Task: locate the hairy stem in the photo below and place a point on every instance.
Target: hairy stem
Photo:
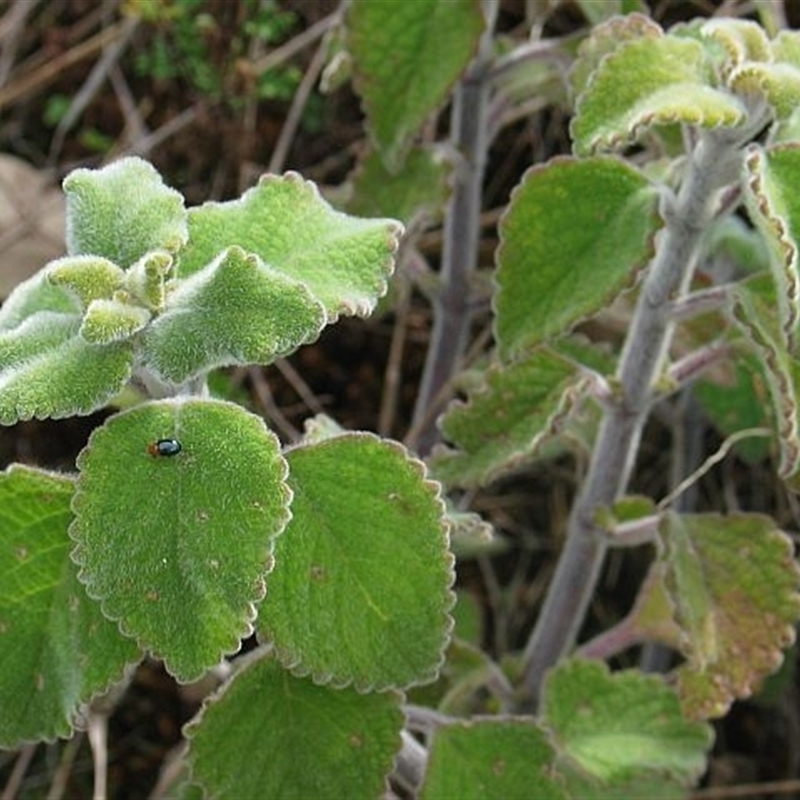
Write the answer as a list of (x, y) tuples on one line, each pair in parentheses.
[(573, 586), (469, 121)]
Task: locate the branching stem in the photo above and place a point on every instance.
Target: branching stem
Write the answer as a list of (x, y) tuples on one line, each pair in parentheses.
[(578, 569)]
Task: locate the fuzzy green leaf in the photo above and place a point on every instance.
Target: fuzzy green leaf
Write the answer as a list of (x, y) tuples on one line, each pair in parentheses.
[(605, 38), (742, 40), (235, 311), (109, 321), (176, 560), (407, 57), (47, 369), (56, 648), (786, 47), (648, 82), (122, 212), (343, 261), (269, 734), (507, 418), (362, 588), (36, 294), (621, 727), (779, 84), (734, 582), (87, 277), (771, 179), (489, 759), (572, 238)]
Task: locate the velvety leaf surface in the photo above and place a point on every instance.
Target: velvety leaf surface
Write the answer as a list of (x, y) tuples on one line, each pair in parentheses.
[(506, 419), (234, 311), (343, 261), (88, 278), (647, 82), (735, 584), (603, 39), (269, 734), (489, 759), (47, 369), (772, 201), (122, 211), (406, 58), (361, 589), (177, 546), (622, 727), (573, 237), (111, 321), (56, 648)]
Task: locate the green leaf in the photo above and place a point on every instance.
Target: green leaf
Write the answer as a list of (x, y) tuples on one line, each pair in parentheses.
[(362, 588), (786, 47), (507, 418), (407, 57), (177, 547), (47, 369), (87, 277), (235, 311), (573, 237), (490, 759), (109, 321), (33, 296), (621, 727), (754, 310), (122, 212), (56, 648), (464, 682), (648, 82), (343, 261), (605, 38), (778, 84), (742, 39), (420, 190), (269, 734), (735, 396), (734, 582), (771, 178)]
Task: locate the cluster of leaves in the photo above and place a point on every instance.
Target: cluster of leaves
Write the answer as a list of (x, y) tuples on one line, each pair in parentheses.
[(153, 295)]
